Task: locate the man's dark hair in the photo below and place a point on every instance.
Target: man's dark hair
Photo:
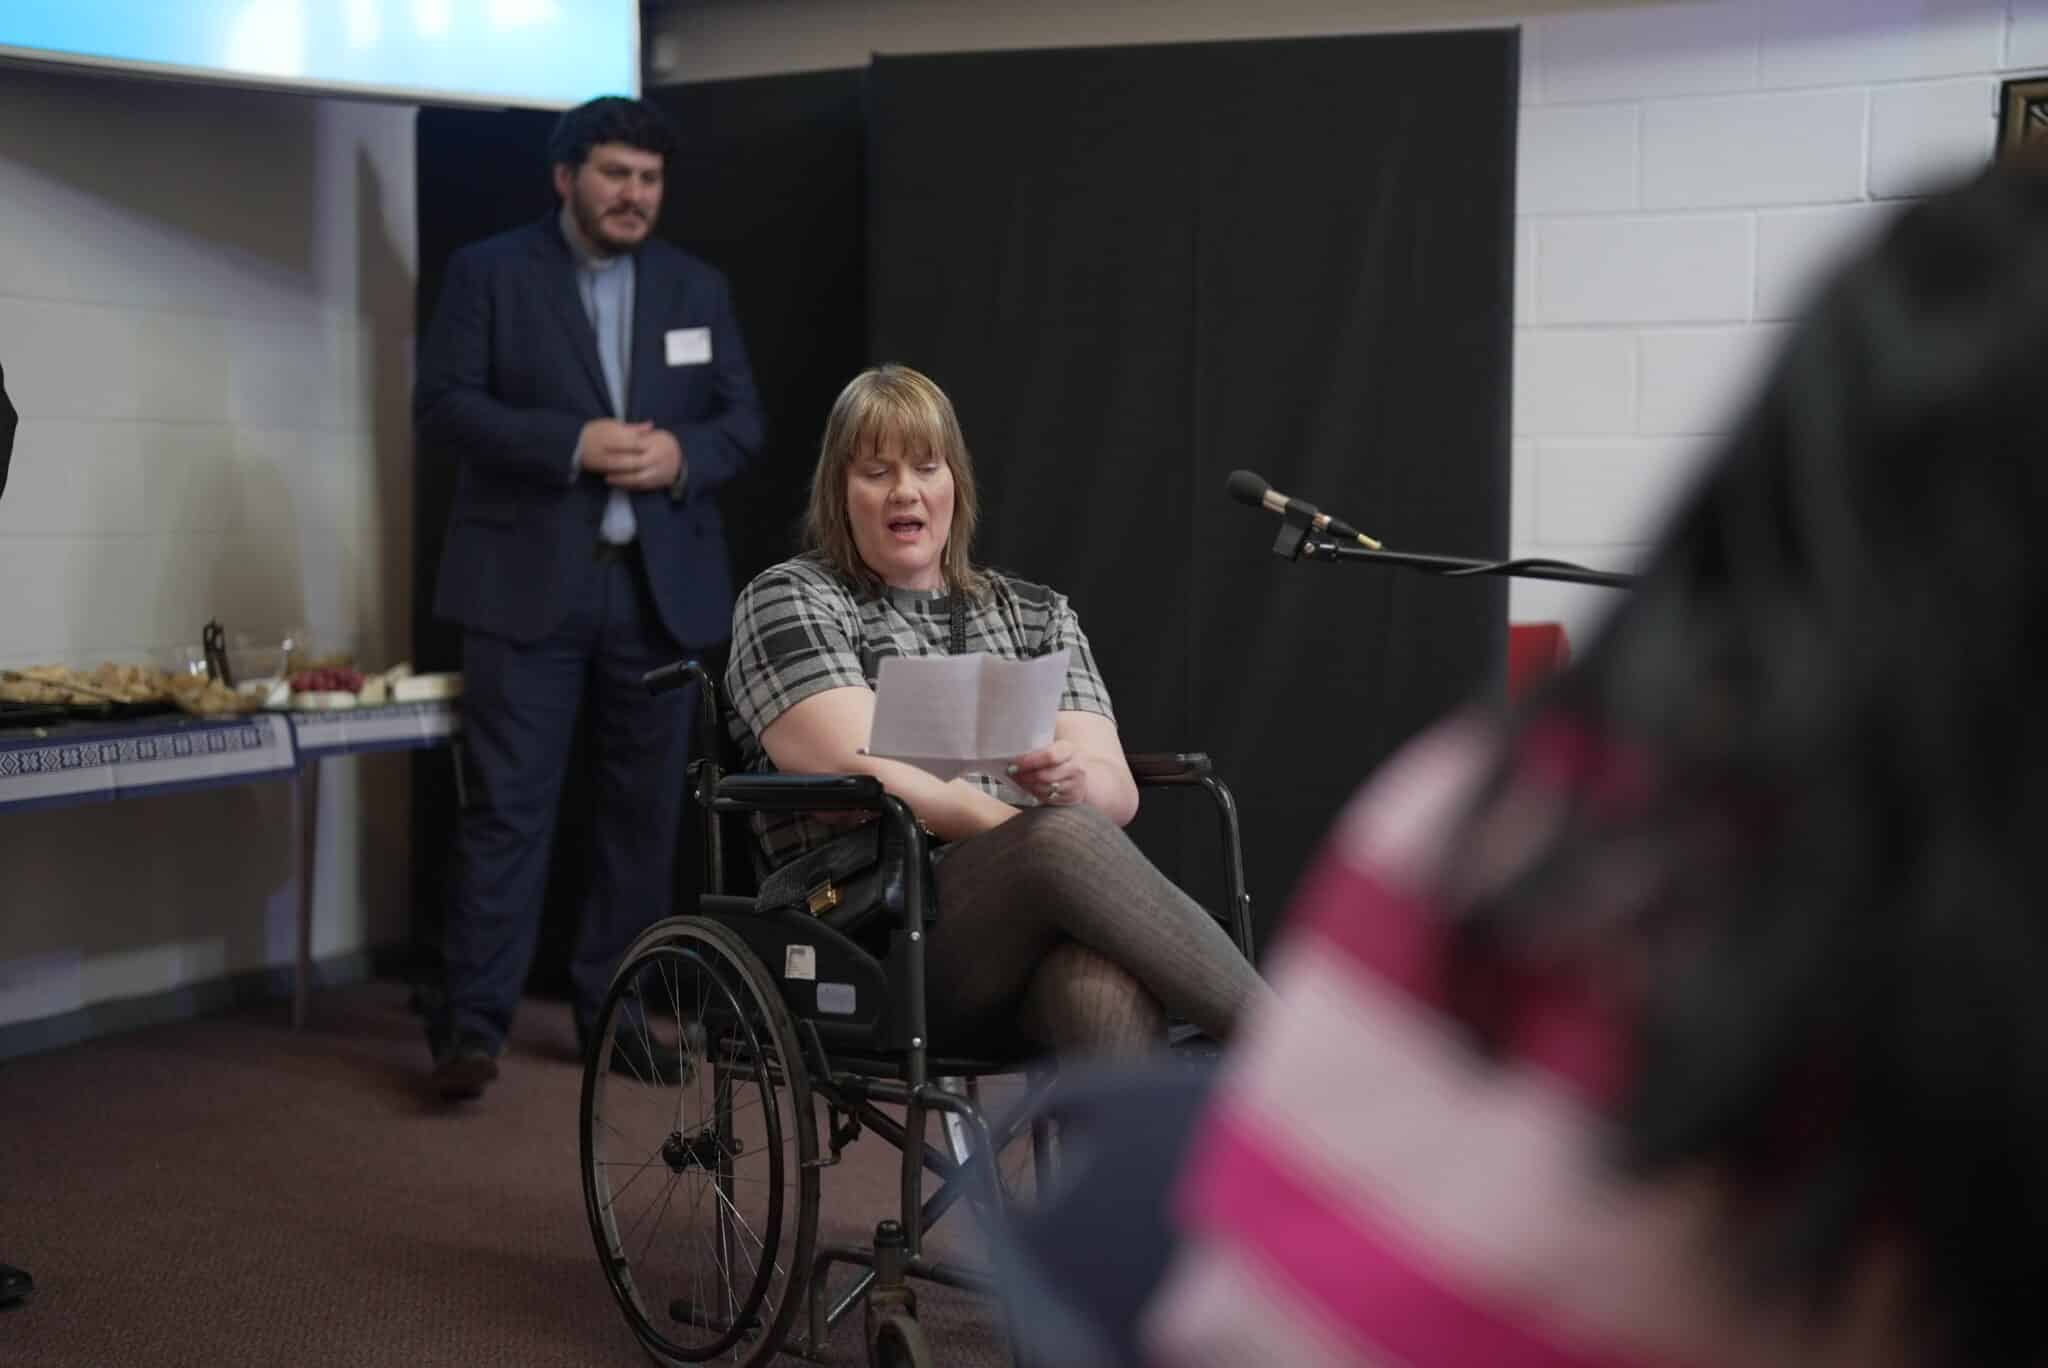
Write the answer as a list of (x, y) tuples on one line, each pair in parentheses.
[(610, 119)]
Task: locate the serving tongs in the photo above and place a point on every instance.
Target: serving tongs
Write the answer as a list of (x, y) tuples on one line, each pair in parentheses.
[(213, 639)]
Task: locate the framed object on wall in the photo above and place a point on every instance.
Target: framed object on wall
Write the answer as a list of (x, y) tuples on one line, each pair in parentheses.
[(2022, 113)]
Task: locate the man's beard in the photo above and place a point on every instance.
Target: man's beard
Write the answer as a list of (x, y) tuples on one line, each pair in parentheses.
[(593, 226)]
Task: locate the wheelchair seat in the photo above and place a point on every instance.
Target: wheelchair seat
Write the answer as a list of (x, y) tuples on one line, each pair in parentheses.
[(703, 1193)]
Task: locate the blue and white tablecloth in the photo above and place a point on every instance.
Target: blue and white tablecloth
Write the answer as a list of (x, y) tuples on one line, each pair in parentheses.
[(85, 762), (393, 726), (88, 762)]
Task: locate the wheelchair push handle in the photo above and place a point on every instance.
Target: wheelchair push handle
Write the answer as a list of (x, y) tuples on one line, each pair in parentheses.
[(668, 678), (1176, 767)]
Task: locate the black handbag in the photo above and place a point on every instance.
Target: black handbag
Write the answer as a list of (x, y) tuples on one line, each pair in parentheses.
[(855, 884)]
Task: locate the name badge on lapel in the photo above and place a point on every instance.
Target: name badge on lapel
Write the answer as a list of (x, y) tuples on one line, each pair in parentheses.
[(689, 346)]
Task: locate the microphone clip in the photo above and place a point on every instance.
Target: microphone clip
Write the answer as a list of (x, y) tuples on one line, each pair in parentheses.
[(1297, 521)]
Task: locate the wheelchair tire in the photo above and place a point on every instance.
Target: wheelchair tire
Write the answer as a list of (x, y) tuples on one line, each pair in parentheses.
[(702, 1191), (899, 1342)]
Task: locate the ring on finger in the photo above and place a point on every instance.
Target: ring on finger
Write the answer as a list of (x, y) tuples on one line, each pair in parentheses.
[(1053, 793)]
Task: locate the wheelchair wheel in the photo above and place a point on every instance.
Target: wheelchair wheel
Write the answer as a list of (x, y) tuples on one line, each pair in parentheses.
[(899, 1343), (702, 1194)]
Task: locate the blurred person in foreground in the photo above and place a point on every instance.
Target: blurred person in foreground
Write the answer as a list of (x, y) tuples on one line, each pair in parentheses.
[(1698, 1014)]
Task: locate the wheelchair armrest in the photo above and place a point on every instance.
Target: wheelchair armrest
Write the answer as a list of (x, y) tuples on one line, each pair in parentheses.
[(1192, 769), (1167, 767), (798, 792)]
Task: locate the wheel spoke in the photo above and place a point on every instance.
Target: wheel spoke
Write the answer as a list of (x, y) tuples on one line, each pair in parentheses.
[(667, 1195)]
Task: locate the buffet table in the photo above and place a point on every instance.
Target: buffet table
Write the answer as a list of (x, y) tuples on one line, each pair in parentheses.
[(103, 761)]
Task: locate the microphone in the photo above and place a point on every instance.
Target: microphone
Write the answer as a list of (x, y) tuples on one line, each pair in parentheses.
[(1248, 488)]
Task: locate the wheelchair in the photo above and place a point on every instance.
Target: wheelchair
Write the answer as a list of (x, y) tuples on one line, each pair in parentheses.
[(702, 1190)]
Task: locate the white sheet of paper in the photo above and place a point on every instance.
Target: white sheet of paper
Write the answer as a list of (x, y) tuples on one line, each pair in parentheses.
[(954, 715)]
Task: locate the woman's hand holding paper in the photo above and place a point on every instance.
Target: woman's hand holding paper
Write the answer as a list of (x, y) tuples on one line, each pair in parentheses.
[(1084, 764), (1053, 775)]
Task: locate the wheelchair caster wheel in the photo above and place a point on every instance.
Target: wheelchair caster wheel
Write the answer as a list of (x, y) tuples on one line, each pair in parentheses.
[(899, 1342)]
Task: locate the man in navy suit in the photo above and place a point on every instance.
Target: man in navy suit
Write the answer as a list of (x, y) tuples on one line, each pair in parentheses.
[(591, 385)]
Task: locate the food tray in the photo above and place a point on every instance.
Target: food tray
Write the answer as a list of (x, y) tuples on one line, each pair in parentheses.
[(14, 715)]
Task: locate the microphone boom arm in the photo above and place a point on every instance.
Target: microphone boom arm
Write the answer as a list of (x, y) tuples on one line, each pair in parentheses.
[(1456, 567), (1306, 532)]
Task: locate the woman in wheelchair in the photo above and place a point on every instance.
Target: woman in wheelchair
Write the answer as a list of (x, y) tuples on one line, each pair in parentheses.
[(1051, 921)]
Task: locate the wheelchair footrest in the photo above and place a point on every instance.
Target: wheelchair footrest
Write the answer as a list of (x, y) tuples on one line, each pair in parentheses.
[(845, 1128)]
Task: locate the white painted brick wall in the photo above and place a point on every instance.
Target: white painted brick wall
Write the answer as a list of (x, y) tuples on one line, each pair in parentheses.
[(1607, 493), (1578, 159), (2027, 37), (1693, 378), (1803, 147), (1526, 267), (1858, 42), (1522, 498), (1771, 139), (1627, 269), (1794, 248), (201, 295), (1922, 136), (1645, 52), (1574, 383)]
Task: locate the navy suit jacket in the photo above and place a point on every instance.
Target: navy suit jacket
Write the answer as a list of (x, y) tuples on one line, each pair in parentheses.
[(508, 375)]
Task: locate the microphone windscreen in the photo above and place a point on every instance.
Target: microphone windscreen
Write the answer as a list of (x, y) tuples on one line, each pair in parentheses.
[(1246, 487)]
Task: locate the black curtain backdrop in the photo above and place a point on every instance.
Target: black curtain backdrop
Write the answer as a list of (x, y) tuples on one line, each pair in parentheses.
[(768, 188), (1137, 269)]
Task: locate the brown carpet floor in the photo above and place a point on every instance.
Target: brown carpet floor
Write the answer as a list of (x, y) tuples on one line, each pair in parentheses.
[(229, 1191)]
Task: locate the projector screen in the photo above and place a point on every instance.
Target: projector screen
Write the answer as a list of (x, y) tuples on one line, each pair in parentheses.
[(547, 54)]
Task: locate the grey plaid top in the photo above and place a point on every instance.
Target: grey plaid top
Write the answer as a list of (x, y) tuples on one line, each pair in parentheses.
[(800, 628)]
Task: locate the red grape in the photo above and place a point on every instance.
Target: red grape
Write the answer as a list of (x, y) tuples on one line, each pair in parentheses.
[(330, 680)]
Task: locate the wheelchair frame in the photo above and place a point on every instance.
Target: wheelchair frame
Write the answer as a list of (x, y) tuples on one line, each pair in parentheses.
[(898, 1070)]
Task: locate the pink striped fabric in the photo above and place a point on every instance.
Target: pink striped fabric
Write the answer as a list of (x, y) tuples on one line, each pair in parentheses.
[(1367, 1191)]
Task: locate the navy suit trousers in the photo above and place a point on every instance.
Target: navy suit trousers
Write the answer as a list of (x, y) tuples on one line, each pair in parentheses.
[(519, 714)]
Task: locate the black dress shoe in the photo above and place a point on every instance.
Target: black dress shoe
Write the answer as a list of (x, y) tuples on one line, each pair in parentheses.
[(464, 1070), (15, 1285)]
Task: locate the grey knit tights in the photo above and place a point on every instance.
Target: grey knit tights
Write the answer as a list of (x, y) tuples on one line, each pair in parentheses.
[(1056, 924)]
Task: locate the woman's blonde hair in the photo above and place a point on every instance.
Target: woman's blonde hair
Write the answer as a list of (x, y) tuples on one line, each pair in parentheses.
[(891, 401)]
